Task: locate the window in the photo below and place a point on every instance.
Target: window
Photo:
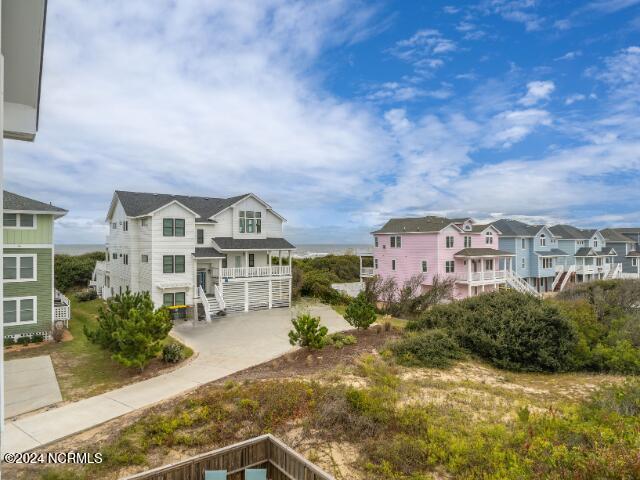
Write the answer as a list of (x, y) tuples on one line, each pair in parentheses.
[(179, 263), (167, 227), (543, 240), (114, 256), (523, 264), (20, 310), (252, 260), (250, 221), (595, 243), (524, 244), (200, 236), (547, 263), (19, 220), (467, 241), (27, 220), (171, 299), (10, 220), (173, 264), (634, 262), (375, 263), (238, 261), (145, 259), (125, 226), (488, 264), (144, 222), (19, 268), (488, 238), (224, 262), (393, 265), (179, 227), (449, 242), (450, 266), (395, 241), (375, 242), (125, 259), (167, 264), (424, 266), (114, 225)]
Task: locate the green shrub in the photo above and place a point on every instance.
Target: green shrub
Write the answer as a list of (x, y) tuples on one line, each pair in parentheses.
[(8, 341), (622, 357), (172, 353), (510, 329), (339, 340), (37, 338), (360, 313), (341, 268), (307, 331), (87, 295), (24, 340), (75, 270), (432, 348), (131, 329)]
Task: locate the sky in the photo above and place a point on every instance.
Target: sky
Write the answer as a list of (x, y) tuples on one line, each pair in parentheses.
[(339, 113)]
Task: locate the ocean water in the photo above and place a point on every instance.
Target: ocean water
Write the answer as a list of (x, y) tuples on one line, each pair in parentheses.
[(302, 250)]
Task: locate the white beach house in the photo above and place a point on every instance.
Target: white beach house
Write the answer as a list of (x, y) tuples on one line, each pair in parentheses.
[(223, 253)]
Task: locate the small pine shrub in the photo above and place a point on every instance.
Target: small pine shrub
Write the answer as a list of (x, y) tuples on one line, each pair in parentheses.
[(8, 341), (23, 340), (339, 340), (172, 353), (307, 331), (432, 349), (360, 313)]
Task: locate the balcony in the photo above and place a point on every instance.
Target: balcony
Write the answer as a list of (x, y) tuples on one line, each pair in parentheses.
[(254, 272), (266, 452), (479, 278)]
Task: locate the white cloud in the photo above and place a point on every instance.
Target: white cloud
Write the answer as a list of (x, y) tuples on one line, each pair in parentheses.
[(520, 11), (196, 98), (537, 91), (570, 55), (573, 98), (424, 50)]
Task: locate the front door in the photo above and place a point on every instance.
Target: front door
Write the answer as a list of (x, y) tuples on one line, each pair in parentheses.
[(202, 279)]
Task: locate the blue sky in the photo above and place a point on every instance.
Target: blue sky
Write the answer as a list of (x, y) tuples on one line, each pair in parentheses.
[(341, 113)]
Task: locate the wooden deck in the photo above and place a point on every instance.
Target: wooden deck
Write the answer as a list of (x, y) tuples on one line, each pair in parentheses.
[(266, 451)]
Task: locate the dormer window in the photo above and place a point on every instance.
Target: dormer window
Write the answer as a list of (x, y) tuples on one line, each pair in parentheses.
[(467, 227), (543, 240), (250, 221), (595, 242), (489, 238)]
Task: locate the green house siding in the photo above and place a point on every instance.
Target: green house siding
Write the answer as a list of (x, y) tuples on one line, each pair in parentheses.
[(42, 288), (42, 234)]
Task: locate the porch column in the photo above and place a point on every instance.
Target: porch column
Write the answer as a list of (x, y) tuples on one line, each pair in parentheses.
[(482, 271), (280, 257), (195, 282), (269, 261), (220, 272), (469, 272), (246, 260)]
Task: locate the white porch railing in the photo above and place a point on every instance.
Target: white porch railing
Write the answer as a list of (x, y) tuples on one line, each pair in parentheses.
[(219, 298), (366, 272), (205, 303), (516, 282), (63, 311), (478, 277), (250, 272)]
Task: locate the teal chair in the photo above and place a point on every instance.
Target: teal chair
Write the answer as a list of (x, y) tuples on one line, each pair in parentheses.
[(255, 474), (215, 475)]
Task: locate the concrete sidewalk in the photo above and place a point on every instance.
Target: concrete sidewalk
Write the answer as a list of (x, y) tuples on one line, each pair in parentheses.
[(29, 384), (225, 346)]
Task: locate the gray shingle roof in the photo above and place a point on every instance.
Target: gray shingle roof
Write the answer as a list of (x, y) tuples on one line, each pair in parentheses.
[(428, 224), (515, 228), (138, 203), (607, 251), (554, 252), (483, 252), (635, 230), (569, 232), (13, 201), (229, 243), (633, 254), (612, 235), (590, 252), (208, 252)]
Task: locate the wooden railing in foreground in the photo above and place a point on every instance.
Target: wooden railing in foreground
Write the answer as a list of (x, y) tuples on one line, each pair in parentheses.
[(266, 451)]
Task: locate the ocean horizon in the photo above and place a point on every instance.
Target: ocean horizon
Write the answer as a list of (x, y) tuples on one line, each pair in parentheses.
[(302, 250)]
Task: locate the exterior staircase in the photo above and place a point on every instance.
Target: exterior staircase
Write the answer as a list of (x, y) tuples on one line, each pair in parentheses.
[(562, 278), (213, 304), (516, 282), (614, 272)]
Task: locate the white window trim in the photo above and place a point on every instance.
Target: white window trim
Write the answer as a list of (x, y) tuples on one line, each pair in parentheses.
[(470, 241), (18, 227), (19, 279), (446, 241), (18, 300), (634, 262), (451, 263), (424, 263)]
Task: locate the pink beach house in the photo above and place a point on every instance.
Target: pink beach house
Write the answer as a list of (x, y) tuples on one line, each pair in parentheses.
[(446, 248)]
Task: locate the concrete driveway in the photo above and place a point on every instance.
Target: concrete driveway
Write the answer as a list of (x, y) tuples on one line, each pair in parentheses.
[(223, 347), (30, 384)]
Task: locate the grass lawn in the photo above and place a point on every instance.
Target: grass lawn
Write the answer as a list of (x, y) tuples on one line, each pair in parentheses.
[(82, 368)]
